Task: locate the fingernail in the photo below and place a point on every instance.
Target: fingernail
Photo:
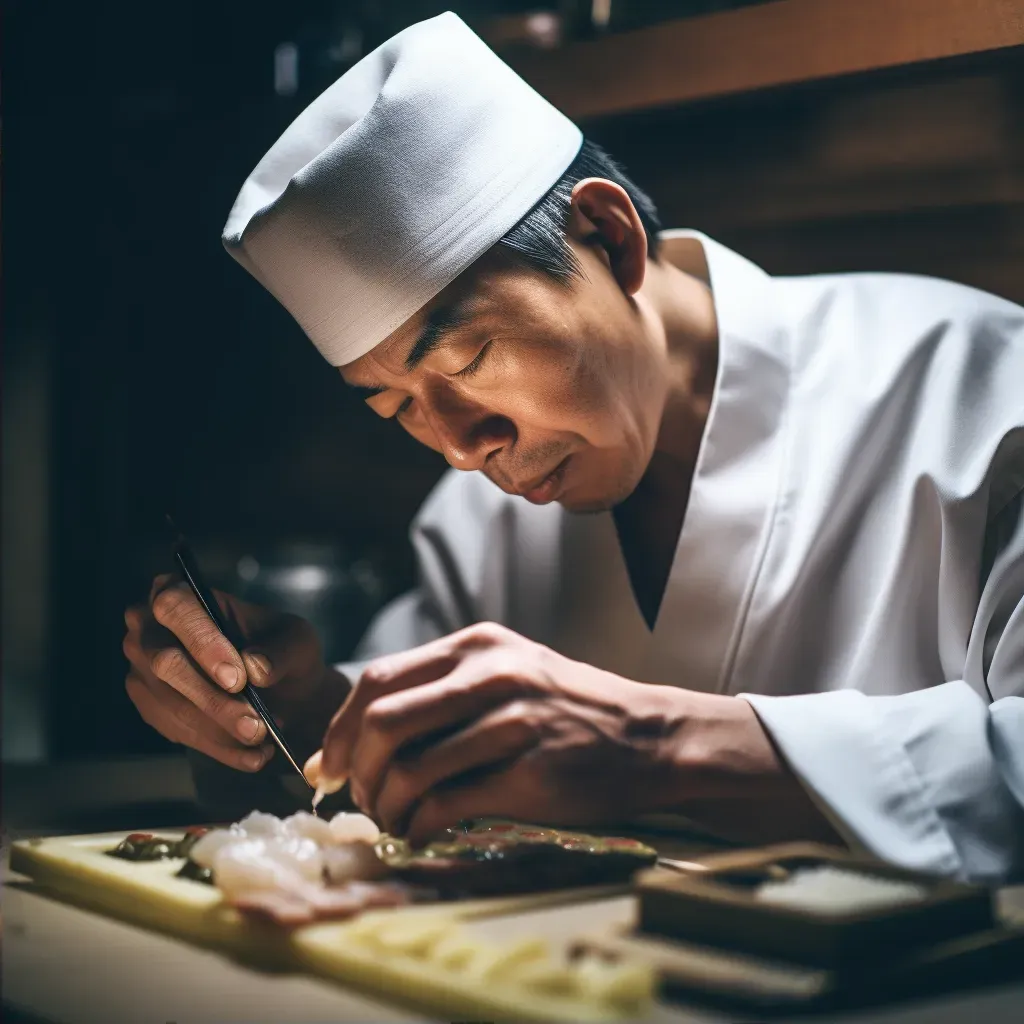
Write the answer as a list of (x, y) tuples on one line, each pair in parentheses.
[(319, 795), (248, 727), (325, 786), (253, 759), (262, 665), (227, 675)]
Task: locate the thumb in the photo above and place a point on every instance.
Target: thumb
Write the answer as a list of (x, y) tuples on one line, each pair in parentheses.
[(289, 648)]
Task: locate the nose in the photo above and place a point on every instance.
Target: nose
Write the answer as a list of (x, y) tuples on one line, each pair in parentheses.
[(466, 433)]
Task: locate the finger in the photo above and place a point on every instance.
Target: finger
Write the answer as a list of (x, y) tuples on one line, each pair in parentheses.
[(159, 583), (171, 665), (179, 721), (286, 647), (176, 608), (405, 717), (451, 648), (143, 631), (134, 617), (496, 738), (490, 795), (311, 769), (395, 672), (373, 683)]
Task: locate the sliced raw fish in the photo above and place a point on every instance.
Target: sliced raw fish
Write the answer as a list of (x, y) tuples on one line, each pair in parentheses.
[(267, 864), (349, 827), (351, 862), (260, 824), (302, 823), (209, 845), (244, 867)]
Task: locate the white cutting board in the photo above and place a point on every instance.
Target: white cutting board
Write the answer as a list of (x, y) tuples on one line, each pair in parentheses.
[(79, 869)]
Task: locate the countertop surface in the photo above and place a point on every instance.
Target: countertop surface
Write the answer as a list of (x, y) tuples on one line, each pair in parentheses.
[(66, 965)]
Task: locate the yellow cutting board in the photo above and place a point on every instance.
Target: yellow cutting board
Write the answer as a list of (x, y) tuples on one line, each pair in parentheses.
[(394, 952)]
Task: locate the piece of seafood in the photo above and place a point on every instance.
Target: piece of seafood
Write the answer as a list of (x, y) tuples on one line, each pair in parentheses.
[(300, 868)]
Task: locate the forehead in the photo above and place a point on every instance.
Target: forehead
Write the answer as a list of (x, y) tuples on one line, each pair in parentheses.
[(473, 293)]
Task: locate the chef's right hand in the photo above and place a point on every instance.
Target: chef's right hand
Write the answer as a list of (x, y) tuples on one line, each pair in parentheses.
[(185, 676)]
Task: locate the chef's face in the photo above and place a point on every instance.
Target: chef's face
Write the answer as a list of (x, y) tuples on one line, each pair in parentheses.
[(553, 390)]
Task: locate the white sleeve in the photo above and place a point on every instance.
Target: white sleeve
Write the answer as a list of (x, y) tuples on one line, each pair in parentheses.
[(932, 779)]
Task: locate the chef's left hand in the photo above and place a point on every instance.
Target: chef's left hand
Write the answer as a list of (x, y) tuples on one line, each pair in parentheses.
[(486, 722)]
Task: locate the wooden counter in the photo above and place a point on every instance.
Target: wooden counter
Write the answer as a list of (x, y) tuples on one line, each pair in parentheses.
[(764, 46), (821, 136)]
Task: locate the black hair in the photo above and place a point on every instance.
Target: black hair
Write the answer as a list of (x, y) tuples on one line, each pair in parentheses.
[(539, 241)]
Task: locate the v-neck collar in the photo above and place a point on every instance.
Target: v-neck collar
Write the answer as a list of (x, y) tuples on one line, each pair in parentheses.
[(736, 480)]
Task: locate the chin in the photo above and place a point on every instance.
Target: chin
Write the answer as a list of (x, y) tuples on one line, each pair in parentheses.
[(585, 508), (603, 483), (591, 504)]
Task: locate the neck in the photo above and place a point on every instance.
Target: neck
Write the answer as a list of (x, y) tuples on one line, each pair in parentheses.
[(685, 311)]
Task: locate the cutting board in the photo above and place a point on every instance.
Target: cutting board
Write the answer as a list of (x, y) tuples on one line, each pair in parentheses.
[(389, 952)]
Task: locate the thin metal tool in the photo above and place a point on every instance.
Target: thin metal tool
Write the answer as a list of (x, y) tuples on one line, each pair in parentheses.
[(190, 570)]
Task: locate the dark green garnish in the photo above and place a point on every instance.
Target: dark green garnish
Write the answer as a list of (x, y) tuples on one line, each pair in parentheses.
[(191, 837), (141, 846), (191, 870)]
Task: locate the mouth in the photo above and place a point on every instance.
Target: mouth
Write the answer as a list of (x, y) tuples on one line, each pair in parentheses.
[(546, 490)]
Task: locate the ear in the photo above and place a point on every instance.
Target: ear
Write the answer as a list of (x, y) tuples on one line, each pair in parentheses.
[(603, 215)]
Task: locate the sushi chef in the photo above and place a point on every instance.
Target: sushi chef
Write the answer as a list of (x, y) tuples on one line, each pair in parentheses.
[(743, 550)]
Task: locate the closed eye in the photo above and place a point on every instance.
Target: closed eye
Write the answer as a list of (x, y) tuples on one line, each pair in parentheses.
[(471, 368), (466, 371), (404, 407)]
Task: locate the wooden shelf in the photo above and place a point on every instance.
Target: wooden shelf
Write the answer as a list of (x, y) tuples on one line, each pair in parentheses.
[(779, 43)]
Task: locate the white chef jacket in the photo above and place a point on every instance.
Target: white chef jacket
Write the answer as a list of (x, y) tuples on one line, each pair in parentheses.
[(851, 561)]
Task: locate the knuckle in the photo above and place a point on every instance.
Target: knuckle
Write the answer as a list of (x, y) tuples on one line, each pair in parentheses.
[(168, 663), (519, 720), (375, 674), (186, 716), (485, 633), (517, 711), (219, 706), (503, 668), (379, 717), (212, 705)]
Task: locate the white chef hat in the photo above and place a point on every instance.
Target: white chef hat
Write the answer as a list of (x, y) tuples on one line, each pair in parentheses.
[(390, 184)]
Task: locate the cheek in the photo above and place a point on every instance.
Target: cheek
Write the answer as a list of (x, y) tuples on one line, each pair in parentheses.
[(417, 427), (562, 367), (599, 382)]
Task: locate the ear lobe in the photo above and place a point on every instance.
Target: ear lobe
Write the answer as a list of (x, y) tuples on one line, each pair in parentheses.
[(603, 214)]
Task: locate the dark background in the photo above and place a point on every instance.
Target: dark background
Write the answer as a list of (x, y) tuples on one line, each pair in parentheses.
[(144, 371)]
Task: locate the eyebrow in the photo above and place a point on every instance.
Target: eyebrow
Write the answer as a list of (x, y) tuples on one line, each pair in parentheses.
[(439, 324), (435, 332)]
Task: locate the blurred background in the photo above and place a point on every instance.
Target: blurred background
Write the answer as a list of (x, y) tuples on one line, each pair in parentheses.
[(144, 371)]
